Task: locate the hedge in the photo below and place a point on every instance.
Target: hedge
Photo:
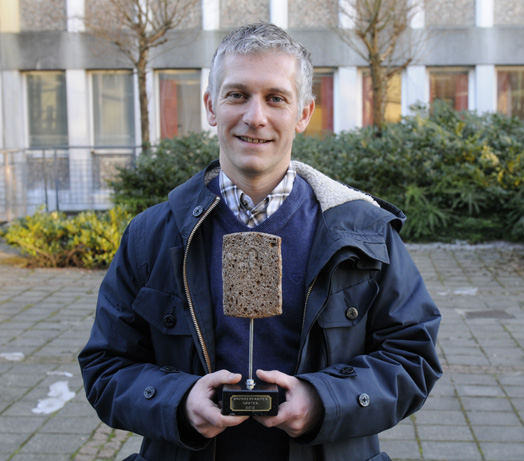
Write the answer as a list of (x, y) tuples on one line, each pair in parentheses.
[(456, 175), (87, 240)]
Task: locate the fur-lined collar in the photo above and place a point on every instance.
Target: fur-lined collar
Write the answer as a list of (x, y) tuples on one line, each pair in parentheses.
[(329, 192)]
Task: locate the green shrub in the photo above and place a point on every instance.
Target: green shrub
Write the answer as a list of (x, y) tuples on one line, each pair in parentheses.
[(457, 175), (160, 169), (88, 239)]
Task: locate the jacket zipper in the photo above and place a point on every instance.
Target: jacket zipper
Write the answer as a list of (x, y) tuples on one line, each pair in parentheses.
[(310, 289), (186, 286)]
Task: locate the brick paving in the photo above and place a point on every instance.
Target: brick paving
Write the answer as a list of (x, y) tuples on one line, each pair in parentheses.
[(475, 412)]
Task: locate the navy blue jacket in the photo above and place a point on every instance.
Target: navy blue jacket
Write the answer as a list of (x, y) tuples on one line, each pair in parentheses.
[(367, 341)]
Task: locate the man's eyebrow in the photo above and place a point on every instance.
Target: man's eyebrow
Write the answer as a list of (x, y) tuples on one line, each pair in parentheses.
[(233, 86)]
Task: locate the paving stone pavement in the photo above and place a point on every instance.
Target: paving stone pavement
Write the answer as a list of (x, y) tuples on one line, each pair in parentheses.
[(475, 412)]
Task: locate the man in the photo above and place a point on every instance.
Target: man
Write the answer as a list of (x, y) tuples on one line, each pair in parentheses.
[(354, 349)]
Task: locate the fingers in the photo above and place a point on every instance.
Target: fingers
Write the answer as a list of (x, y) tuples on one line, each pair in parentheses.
[(202, 412), (300, 413), (218, 378), (302, 410), (276, 377)]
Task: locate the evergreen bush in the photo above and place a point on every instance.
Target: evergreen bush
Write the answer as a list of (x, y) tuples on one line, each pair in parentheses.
[(456, 175), (160, 169), (88, 240)]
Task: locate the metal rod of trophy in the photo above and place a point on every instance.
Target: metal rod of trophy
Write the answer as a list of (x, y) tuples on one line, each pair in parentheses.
[(250, 383)]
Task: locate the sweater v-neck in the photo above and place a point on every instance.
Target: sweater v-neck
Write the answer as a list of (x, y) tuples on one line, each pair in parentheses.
[(272, 225)]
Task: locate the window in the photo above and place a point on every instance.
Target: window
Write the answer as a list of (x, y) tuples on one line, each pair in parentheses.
[(113, 108), (393, 107), (47, 109), (510, 91), (322, 119), (449, 84), (180, 102)]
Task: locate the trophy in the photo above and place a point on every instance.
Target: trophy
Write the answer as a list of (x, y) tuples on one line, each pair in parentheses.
[(252, 285)]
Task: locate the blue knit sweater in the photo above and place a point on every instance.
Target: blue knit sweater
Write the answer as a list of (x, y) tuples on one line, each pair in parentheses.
[(276, 338)]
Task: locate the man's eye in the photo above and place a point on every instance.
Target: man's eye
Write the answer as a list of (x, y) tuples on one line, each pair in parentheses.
[(235, 96), (276, 99)]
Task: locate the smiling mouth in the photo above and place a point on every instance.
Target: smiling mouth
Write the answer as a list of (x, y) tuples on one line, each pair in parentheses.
[(253, 140)]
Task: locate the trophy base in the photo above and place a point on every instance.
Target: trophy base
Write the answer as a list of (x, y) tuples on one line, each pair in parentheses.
[(237, 400)]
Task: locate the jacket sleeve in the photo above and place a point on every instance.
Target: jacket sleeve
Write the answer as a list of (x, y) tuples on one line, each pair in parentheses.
[(122, 380), (392, 378)]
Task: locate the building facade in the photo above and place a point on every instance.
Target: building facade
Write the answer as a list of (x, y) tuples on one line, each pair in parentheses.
[(67, 95)]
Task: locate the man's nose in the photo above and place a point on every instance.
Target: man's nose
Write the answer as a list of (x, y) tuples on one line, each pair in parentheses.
[(255, 114)]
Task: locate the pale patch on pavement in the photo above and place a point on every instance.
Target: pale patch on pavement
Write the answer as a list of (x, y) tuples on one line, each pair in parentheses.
[(59, 394)]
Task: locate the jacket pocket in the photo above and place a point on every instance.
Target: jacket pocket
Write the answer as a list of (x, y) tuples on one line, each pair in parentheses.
[(349, 306), (170, 334), (161, 310), (344, 319)]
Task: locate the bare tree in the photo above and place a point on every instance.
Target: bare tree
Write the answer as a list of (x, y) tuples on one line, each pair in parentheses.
[(380, 32), (135, 27)]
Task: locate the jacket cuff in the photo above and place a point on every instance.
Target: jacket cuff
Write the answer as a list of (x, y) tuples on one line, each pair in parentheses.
[(321, 381), (189, 437), (177, 426)]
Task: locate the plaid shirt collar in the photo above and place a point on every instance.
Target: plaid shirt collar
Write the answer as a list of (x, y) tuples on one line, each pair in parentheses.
[(243, 207)]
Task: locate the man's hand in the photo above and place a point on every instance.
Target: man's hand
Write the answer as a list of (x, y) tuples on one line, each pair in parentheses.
[(301, 411), (203, 414)]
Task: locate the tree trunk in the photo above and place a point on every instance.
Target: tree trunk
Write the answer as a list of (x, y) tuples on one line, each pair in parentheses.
[(379, 84), (142, 95)]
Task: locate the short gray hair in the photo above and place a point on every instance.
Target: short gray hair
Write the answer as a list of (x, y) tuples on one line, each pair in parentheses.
[(264, 38)]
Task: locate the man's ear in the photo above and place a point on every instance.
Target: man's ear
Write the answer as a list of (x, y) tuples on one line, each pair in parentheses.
[(305, 117), (210, 112)]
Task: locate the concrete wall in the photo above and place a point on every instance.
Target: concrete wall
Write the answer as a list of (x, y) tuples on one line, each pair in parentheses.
[(450, 13), (509, 12), (195, 48), (235, 12), (312, 14), (43, 15)]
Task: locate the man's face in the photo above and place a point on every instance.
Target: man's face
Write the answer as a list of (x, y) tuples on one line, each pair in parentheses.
[(256, 115)]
